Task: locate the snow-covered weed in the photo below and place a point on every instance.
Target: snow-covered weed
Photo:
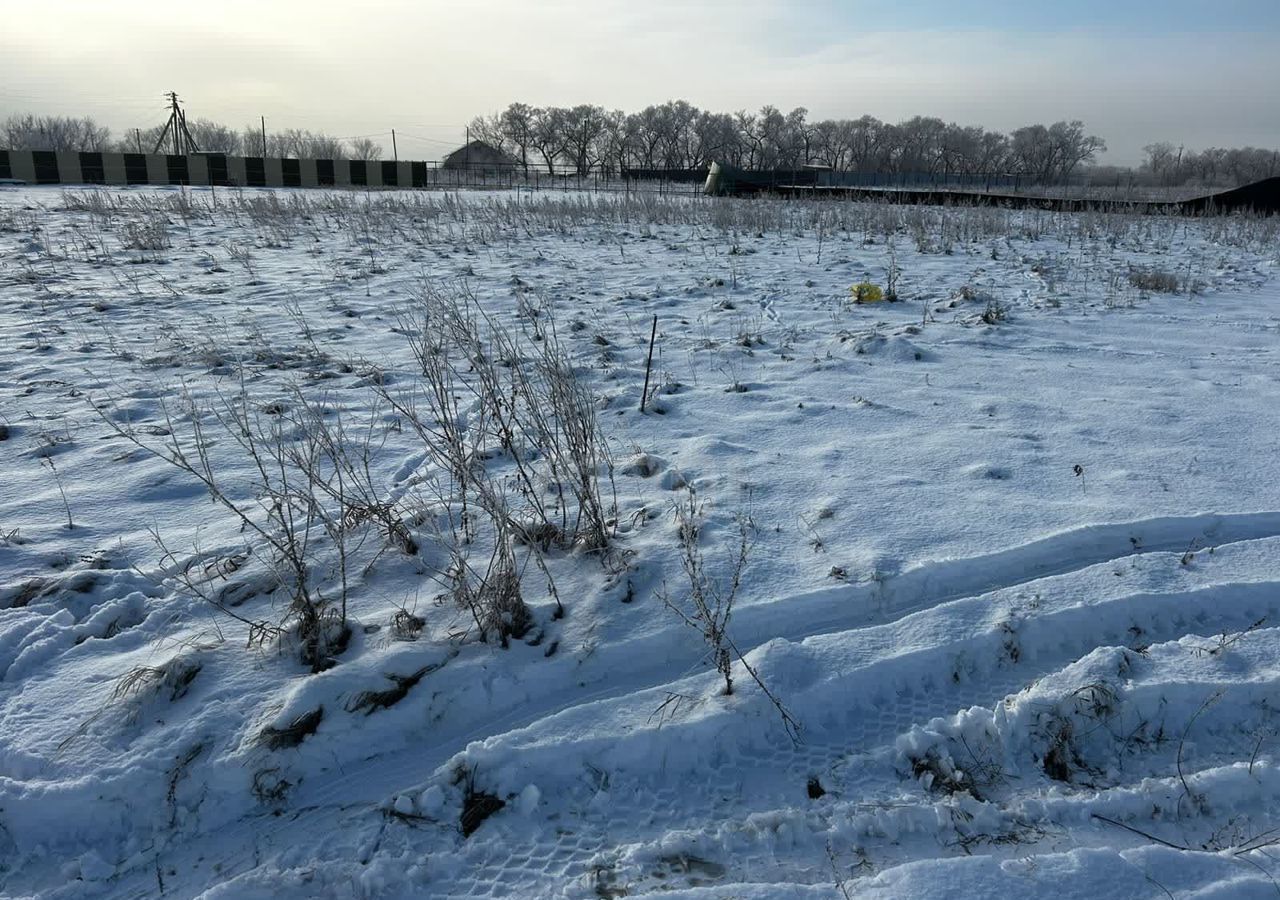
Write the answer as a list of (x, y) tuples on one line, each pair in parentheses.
[(705, 603), (520, 466), (150, 233), (994, 313), (172, 679), (293, 732), (477, 804), (531, 406), (313, 502), (708, 606), (1154, 280)]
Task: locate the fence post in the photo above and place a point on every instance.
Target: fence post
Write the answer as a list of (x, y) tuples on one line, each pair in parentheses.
[(644, 392)]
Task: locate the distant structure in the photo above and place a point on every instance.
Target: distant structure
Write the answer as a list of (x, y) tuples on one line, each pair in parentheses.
[(478, 156), (1258, 198), (175, 138)]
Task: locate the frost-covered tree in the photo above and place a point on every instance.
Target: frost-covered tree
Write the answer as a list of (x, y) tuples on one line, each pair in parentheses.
[(214, 136), (365, 148), (31, 132), (1053, 153)]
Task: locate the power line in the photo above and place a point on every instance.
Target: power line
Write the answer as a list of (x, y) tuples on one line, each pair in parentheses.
[(76, 104), (352, 137), (437, 124), (176, 124), (61, 94), (427, 140)]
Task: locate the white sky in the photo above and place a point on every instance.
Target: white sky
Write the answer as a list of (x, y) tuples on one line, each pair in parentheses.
[(426, 68)]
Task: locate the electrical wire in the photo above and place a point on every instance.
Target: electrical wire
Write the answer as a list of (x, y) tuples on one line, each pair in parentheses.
[(427, 140), (133, 104)]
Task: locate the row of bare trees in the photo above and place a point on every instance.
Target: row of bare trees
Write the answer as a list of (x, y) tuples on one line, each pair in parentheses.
[(28, 132), (1166, 164), (678, 135), (31, 132)]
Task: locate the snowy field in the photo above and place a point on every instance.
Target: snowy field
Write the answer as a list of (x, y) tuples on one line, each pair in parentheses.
[(338, 560)]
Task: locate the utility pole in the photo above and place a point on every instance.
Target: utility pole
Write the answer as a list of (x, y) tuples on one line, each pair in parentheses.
[(183, 143), (395, 154), (137, 138), (264, 136), (182, 119)]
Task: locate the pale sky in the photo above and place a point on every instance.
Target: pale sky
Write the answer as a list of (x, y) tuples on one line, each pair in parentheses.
[(1196, 72)]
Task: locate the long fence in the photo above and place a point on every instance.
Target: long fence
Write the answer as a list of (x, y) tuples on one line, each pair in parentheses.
[(216, 169), (204, 169)]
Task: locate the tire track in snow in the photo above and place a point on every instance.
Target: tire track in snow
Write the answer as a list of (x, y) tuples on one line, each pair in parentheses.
[(362, 791), (924, 691)]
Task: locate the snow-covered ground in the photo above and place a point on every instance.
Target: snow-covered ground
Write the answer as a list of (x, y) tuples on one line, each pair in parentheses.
[(1010, 567)]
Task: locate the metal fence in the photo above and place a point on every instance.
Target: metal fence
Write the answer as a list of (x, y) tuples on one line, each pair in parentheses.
[(46, 167), (918, 180), (204, 169)]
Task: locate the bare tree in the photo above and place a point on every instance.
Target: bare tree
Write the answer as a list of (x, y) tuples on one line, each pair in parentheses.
[(303, 144), (1168, 165), (717, 139), (365, 148), (1074, 146), (1052, 153), (489, 129), (583, 125), (614, 143), (677, 135), (644, 130), (548, 135), (517, 122), (30, 132), (210, 135)]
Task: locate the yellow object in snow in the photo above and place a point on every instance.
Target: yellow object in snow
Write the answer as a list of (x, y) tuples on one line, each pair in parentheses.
[(866, 292)]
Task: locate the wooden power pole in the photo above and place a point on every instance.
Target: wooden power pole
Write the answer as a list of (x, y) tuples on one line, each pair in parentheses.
[(175, 130)]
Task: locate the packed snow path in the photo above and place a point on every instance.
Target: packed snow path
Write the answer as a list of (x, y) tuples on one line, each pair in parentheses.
[(1013, 568)]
